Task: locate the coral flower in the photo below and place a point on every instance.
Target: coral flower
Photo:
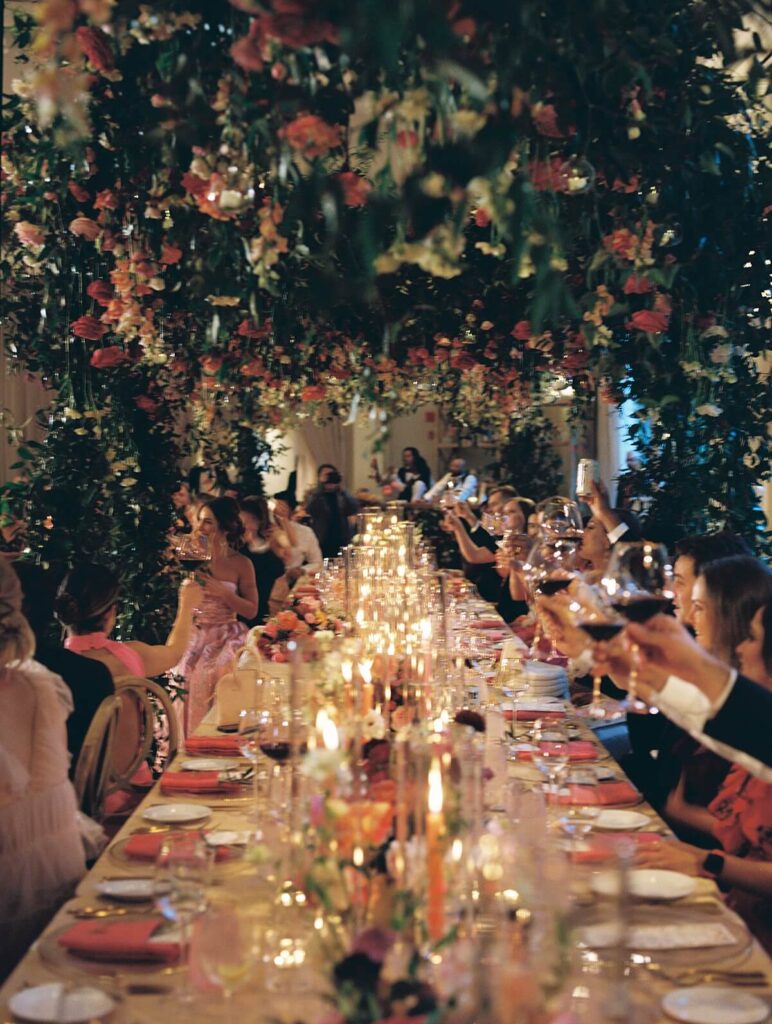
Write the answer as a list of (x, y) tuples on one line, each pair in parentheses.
[(88, 327), (86, 228), (649, 321), (95, 44), (29, 234), (311, 136), (355, 188), (105, 358)]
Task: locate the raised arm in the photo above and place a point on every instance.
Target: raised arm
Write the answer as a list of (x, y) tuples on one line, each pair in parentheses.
[(158, 658)]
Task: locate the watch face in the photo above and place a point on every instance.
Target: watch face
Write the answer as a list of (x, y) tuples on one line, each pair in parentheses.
[(713, 864)]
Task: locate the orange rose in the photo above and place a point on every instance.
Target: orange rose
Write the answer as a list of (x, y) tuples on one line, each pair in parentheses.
[(170, 254), (312, 136), (287, 621), (86, 228), (101, 292), (105, 358), (313, 393), (29, 234)]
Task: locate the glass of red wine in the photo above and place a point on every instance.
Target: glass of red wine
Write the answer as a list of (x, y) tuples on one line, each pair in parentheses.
[(193, 553), (601, 624), (274, 739), (550, 570), (639, 585)]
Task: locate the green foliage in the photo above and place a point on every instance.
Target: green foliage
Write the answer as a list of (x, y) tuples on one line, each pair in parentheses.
[(529, 460)]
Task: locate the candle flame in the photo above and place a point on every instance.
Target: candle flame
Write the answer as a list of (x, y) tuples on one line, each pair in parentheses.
[(330, 734), (365, 668), (347, 670), (434, 801)]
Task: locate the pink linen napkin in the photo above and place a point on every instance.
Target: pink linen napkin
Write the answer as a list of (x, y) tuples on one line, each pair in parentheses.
[(198, 782), (578, 750), (528, 715), (602, 847), (118, 940), (213, 746), (606, 794), (487, 624), (147, 845)]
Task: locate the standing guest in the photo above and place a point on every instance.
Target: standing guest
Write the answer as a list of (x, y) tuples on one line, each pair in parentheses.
[(184, 508), (305, 555), (332, 512), (692, 553), (230, 590), (458, 482), (89, 681), (264, 548), (410, 482), (41, 851)]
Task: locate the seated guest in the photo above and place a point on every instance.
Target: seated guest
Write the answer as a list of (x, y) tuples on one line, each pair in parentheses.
[(410, 482), (264, 548), (691, 554), (478, 546), (41, 851), (604, 528), (332, 512), (728, 596), (457, 482), (739, 819), (305, 555), (89, 681), (86, 606)]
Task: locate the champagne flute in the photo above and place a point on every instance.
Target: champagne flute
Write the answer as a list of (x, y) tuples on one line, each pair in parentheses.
[(182, 873), (639, 585)]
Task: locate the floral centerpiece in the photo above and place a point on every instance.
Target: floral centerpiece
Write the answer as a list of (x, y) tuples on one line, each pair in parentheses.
[(305, 620)]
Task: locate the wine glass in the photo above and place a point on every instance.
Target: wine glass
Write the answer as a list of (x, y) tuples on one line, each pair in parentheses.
[(192, 552), (182, 873), (551, 756), (549, 570), (639, 585), (227, 949), (601, 623), (560, 517), (249, 745)]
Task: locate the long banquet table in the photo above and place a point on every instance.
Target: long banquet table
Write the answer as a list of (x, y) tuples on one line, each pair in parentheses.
[(148, 993)]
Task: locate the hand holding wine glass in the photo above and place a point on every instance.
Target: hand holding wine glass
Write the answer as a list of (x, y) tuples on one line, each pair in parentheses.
[(193, 552)]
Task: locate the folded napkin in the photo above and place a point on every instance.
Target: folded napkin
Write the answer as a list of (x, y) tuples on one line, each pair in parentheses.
[(605, 794), (121, 940), (487, 624), (494, 635), (600, 848), (147, 845), (213, 746), (198, 782), (532, 714), (578, 750)]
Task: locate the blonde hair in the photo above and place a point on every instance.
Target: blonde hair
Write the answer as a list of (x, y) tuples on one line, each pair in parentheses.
[(17, 641)]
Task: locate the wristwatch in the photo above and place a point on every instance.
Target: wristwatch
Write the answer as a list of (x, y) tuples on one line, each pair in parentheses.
[(713, 864)]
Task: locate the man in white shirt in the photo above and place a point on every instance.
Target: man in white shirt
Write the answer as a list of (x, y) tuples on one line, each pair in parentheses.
[(459, 482), (305, 556)]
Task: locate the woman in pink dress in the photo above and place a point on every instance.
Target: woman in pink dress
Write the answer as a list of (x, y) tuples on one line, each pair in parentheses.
[(41, 851), (230, 590)]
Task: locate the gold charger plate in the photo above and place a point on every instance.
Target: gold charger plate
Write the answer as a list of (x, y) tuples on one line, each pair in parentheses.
[(61, 961), (117, 853)]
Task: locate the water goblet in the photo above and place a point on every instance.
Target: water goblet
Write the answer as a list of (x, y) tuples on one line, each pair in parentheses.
[(182, 873)]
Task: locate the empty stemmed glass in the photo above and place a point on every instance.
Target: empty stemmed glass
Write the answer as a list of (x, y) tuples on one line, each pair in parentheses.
[(551, 756), (249, 745), (639, 585), (559, 517), (227, 949), (182, 874)]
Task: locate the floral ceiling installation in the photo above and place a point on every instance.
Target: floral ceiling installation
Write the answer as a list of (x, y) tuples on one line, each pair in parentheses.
[(265, 211)]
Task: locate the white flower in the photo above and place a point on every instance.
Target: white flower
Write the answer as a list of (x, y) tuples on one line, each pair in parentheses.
[(320, 764), (373, 726), (708, 409)]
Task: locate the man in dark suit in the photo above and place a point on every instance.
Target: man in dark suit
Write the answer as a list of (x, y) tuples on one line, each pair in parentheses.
[(88, 680)]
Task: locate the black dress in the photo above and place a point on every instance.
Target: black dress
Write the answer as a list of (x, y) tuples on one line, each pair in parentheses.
[(268, 569)]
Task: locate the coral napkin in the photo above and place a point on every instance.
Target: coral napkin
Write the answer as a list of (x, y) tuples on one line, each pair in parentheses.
[(488, 624), (607, 794), (118, 940), (147, 845), (578, 750), (199, 782), (213, 746), (531, 715), (602, 847)]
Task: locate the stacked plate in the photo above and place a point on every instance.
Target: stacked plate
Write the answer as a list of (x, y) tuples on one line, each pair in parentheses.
[(544, 680)]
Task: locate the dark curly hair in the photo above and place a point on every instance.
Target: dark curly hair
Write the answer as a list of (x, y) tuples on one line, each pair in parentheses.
[(85, 597), (226, 512)]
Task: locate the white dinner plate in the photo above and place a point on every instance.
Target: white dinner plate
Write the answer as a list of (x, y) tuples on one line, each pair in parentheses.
[(209, 764), (127, 890), (621, 821), (711, 1004), (223, 837), (50, 1004), (176, 814), (646, 884)]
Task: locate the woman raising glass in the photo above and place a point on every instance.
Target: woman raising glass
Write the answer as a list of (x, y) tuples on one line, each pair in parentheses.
[(230, 591)]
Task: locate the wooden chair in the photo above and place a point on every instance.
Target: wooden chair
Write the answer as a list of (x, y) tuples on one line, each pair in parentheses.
[(94, 765), (149, 701)]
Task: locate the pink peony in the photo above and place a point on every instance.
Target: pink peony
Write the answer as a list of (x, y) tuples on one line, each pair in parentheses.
[(86, 228), (29, 234)]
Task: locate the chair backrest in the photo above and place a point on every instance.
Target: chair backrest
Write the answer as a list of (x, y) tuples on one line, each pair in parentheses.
[(149, 702), (93, 768)]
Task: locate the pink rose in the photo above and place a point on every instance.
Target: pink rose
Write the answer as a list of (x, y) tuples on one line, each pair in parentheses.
[(29, 234), (101, 292), (170, 254), (88, 327), (86, 228), (106, 358), (521, 331), (279, 657), (649, 321)]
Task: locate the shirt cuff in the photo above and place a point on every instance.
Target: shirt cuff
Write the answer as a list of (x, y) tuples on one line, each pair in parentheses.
[(685, 702), (619, 531), (582, 663)]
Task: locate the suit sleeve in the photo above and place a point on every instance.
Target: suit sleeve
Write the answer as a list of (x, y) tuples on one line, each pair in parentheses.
[(744, 720)]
